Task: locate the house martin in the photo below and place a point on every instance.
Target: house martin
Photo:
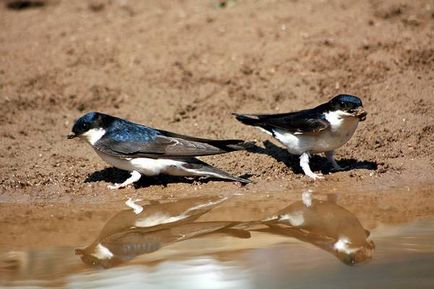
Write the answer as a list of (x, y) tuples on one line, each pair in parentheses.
[(322, 129), (143, 150)]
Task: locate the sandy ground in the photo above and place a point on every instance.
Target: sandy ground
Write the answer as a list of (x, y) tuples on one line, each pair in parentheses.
[(184, 66)]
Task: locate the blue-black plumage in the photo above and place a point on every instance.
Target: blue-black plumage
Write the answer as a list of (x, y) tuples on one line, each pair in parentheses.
[(320, 129), (149, 151)]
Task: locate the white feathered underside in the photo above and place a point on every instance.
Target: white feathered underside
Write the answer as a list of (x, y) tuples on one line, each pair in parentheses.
[(145, 166), (341, 129), (149, 166)]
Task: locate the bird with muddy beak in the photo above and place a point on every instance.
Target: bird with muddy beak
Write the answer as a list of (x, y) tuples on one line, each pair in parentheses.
[(143, 150), (322, 129)]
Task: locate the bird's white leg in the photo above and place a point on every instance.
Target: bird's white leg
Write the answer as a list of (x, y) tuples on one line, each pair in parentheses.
[(331, 158), (304, 164), (135, 176)]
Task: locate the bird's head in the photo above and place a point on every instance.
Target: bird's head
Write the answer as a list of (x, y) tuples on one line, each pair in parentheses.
[(349, 105), (89, 124)]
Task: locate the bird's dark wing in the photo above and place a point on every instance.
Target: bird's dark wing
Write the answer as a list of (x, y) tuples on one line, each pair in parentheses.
[(151, 143), (302, 121)]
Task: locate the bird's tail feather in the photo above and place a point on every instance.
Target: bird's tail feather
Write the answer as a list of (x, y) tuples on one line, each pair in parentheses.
[(247, 119), (232, 145), (225, 145), (254, 120), (200, 168)]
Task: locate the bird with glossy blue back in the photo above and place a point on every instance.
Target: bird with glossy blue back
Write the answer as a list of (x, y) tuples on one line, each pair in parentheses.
[(143, 150)]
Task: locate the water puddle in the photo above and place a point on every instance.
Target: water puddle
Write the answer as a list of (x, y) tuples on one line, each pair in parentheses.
[(309, 243)]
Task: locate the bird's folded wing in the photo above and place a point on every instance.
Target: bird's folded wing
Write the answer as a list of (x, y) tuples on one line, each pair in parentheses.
[(156, 147), (302, 121)]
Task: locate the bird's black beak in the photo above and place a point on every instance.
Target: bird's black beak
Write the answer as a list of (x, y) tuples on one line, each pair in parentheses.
[(71, 135)]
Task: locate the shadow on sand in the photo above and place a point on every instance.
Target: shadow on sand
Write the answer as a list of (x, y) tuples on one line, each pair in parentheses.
[(317, 163), (115, 175)]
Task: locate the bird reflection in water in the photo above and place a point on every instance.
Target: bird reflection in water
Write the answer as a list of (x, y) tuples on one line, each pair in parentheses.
[(325, 225), (143, 230)]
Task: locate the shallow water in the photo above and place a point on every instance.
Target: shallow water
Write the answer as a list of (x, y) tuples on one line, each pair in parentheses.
[(316, 244)]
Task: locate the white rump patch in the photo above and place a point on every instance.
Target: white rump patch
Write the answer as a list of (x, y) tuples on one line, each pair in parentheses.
[(93, 135), (286, 138), (102, 252)]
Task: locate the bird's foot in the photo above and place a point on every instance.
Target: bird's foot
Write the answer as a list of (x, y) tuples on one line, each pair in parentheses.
[(332, 161), (304, 164), (116, 186), (135, 176), (196, 183), (314, 176), (239, 184)]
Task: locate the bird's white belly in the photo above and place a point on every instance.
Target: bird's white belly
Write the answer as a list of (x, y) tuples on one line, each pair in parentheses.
[(147, 166), (323, 141)]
